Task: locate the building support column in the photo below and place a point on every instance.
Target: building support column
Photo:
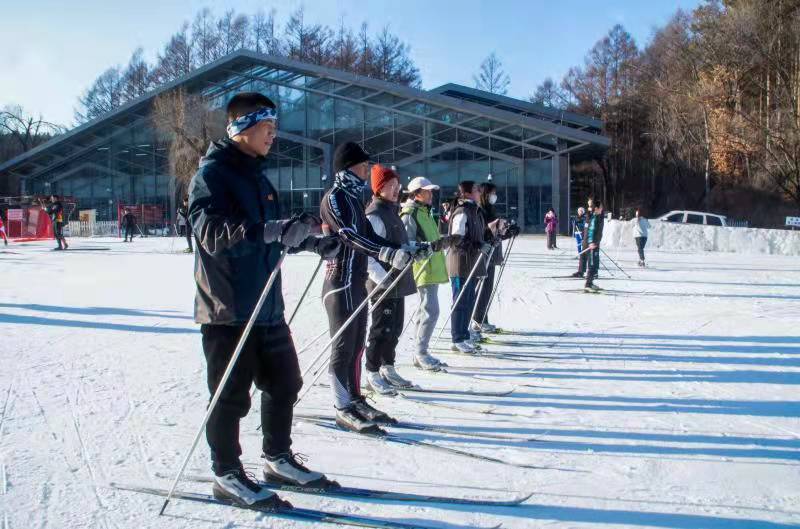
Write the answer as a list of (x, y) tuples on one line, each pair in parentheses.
[(560, 181)]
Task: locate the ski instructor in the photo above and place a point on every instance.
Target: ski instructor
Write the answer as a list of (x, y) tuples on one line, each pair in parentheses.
[(236, 222)]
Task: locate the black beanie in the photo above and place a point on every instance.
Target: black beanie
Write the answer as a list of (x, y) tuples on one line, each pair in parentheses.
[(347, 155)]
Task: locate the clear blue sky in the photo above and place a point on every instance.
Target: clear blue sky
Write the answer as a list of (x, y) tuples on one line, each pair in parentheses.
[(52, 49)]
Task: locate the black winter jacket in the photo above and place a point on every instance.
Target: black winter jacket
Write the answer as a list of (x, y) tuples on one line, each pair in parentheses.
[(342, 210), (466, 249), (230, 199)]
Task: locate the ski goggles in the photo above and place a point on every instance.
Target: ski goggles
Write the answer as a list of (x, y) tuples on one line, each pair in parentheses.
[(241, 124)]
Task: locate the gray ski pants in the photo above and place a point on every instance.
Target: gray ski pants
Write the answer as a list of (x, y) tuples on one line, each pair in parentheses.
[(426, 316)]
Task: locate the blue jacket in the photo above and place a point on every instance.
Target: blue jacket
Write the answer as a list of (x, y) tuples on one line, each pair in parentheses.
[(230, 199)]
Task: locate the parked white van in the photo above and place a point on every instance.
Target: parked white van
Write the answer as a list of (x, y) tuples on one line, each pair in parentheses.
[(694, 217)]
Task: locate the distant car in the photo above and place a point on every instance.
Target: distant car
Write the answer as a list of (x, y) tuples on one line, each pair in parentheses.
[(694, 217)]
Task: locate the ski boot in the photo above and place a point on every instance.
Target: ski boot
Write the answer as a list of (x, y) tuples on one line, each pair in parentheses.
[(393, 378), (350, 419), (237, 487), (288, 468), (371, 414), (379, 384)]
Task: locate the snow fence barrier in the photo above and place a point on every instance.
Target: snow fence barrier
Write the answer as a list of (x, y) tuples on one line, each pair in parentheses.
[(671, 236)]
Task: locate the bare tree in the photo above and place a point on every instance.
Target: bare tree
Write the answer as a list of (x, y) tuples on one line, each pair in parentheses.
[(306, 42), (190, 125), (264, 37), (103, 96), (177, 59), (205, 38), (491, 77), (233, 32), (25, 130), (549, 94), (136, 78), (344, 49), (391, 60)]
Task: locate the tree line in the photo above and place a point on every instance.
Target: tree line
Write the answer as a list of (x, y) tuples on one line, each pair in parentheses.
[(209, 37), (706, 116)]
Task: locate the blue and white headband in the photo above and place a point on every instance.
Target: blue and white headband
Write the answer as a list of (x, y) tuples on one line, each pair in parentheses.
[(239, 125)]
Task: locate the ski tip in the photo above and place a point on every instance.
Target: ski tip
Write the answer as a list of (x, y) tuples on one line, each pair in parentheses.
[(523, 498)]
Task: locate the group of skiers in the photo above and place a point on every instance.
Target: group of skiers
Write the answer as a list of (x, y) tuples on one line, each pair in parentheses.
[(383, 252)]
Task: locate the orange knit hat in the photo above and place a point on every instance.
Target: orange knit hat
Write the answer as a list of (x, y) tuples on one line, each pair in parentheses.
[(381, 176)]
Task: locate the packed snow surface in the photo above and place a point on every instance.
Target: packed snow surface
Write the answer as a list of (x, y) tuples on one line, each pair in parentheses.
[(669, 401), (672, 236)]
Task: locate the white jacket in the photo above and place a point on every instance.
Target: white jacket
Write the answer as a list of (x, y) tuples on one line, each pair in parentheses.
[(640, 227)]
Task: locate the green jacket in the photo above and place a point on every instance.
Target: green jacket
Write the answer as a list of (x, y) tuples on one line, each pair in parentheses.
[(421, 227)]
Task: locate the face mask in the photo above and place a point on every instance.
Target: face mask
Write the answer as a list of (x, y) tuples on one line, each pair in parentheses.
[(492, 199)]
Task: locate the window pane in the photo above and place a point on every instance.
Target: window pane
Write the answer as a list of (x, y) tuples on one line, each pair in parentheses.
[(694, 219)]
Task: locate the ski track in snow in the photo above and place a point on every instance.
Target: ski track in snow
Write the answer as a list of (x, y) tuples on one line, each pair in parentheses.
[(671, 400)]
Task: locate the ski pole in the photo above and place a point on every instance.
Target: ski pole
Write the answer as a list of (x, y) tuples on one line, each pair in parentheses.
[(615, 263), (303, 296), (341, 330), (499, 277), (419, 307), (605, 267), (461, 294), (383, 296), (479, 291), (226, 375), (296, 308)]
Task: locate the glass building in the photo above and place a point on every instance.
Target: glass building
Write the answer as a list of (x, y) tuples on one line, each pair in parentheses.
[(448, 134)]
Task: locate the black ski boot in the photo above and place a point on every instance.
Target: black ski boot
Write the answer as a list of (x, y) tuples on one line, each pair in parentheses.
[(372, 414), (350, 419)]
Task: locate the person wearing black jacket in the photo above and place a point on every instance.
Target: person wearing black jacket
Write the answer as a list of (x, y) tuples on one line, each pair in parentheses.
[(236, 221), (183, 222), (56, 212), (468, 249), (488, 197), (128, 224), (344, 287), (594, 236), (583, 259)]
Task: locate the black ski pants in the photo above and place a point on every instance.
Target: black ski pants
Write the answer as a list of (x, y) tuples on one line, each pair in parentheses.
[(269, 360), (384, 332), (340, 302), (484, 293), (58, 231)]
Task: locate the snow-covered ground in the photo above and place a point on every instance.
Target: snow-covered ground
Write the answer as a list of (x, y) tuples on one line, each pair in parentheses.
[(670, 401)]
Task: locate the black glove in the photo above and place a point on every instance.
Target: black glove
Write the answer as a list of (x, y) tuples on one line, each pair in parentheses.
[(292, 232), (441, 244), (511, 231), (486, 248), (326, 247)]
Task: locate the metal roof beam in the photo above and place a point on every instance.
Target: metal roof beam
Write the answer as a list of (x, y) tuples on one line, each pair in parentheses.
[(457, 145), (408, 114)]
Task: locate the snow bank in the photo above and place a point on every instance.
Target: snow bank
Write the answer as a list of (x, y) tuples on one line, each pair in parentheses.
[(694, 238)]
